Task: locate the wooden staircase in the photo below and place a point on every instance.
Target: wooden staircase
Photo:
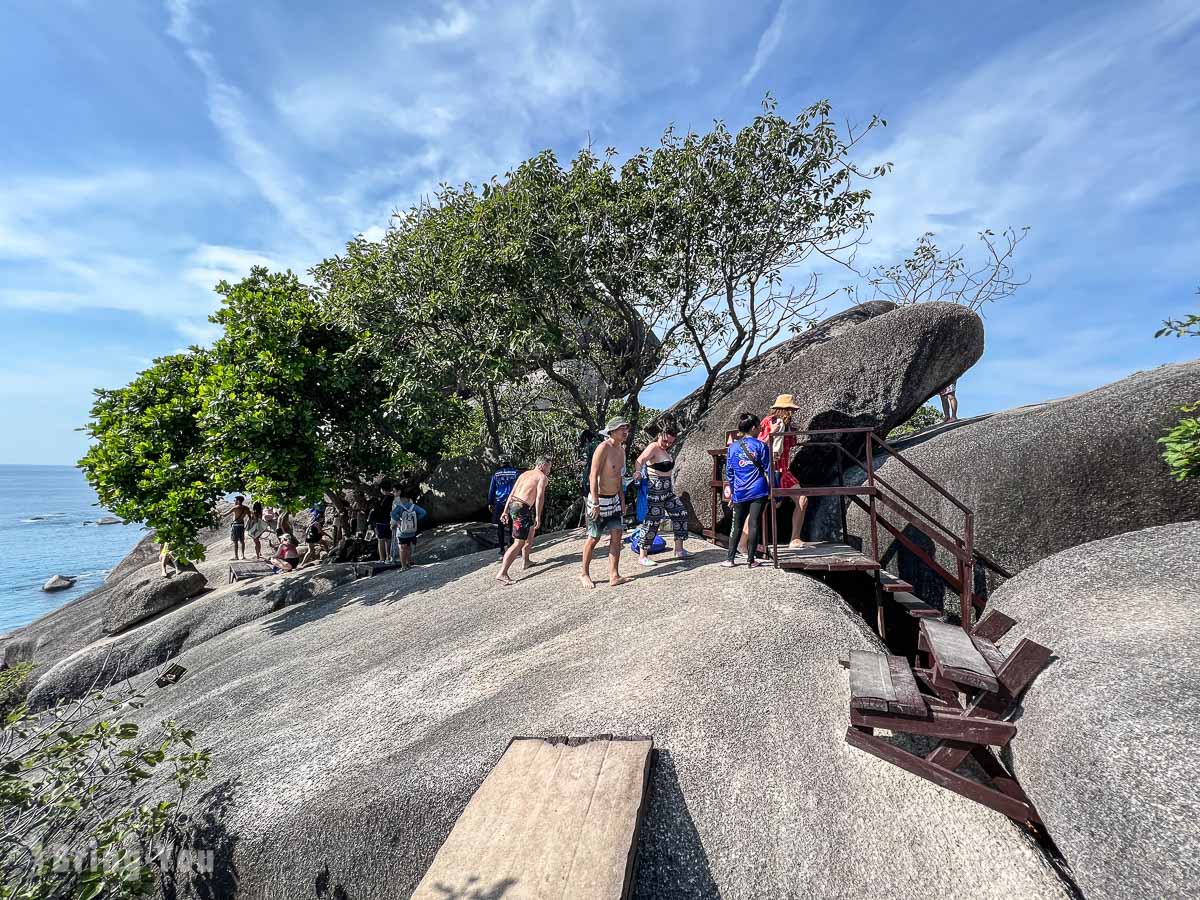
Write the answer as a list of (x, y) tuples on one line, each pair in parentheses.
[(887, 508)]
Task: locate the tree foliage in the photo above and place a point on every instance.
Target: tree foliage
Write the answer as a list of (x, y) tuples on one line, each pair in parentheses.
[(1181, 445), (288, 404), (90, 807)]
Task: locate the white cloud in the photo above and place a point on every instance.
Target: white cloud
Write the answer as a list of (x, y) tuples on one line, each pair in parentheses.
[(1080, 123), (767, 43)]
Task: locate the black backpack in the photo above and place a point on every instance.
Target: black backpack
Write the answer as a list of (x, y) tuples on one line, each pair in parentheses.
[(313, 534)]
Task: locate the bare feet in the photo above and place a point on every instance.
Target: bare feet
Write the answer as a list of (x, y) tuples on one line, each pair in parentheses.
[(504, 579), (620, 579), (530, 563), (586, 581)]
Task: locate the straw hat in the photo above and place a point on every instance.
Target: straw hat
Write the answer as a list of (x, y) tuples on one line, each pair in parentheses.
[(784, 401)]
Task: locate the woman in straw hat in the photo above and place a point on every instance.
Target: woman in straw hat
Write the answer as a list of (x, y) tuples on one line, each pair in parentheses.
[(772, 434)]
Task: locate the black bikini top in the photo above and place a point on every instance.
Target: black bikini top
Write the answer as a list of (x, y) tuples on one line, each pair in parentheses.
[(664, 466)]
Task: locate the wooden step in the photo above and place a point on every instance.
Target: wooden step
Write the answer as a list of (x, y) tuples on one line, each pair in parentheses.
[(825, 556), (554, 818), (884, 683), (247, 569), (955, 656), (890, 582), (914, 606)]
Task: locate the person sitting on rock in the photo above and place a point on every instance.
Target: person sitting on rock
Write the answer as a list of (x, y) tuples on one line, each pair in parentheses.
[(406, 522), (747, 488), (167, 558), (660, 493), (288, 557), (314, 542), (949, 402), (237, 531), (771, 432), (523, 510)]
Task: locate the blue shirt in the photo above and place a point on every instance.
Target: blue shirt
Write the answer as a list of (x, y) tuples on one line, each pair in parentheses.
[(498, 490), (747, 480)]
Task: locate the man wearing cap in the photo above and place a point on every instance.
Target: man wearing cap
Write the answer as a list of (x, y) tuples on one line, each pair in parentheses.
[(606, 502), (772, 434)]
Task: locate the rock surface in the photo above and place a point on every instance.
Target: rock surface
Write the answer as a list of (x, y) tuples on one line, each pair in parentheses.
[(1107, 746), (146, 596), (1044, 478), (146, 647), (457, 490), (876, 373), (449, 541), (351, 730)]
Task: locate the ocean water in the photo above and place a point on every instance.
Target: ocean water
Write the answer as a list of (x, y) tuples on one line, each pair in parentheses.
[(44, 511)]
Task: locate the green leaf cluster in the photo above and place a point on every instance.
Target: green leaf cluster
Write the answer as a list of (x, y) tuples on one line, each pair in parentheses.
[(89, 805), (1181, 445), (288, 405)]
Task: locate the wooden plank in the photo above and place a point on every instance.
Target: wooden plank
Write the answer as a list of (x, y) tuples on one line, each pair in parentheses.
[(940, 724), (993, 626), (956, 657), (914, 606), (244, 570), (909, 701), (870, 681), (990, 652), (1023, 665), (972, 790), (550, 820), (890, 582)]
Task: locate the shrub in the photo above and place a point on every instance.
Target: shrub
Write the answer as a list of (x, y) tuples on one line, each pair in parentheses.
[(88, 806), (1182, 444)]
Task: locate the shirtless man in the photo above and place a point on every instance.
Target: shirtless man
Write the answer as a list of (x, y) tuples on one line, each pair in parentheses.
[(523, 511), (237, 531), (606, 502)]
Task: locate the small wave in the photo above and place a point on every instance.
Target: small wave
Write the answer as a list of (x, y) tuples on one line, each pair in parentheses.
[(44, 517)]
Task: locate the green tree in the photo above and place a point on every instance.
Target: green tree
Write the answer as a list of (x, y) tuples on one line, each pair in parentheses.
[(148, 461), (288, 404), (925, 417)]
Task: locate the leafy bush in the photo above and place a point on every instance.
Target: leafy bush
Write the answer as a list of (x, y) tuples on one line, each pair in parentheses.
[(87, 808), (1182, 444), (14, 685), (925, 417)]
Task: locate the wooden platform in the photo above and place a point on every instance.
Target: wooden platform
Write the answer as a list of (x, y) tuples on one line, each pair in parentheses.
[(554, 818), (825, 556)]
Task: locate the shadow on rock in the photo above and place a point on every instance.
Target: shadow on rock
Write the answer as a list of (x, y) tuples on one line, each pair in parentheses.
[(671, 861)]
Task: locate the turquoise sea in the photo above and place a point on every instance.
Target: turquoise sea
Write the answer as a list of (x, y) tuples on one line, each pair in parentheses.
[(44, 531)]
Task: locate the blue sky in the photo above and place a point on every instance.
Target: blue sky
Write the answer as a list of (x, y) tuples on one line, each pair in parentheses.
[(150, 149)]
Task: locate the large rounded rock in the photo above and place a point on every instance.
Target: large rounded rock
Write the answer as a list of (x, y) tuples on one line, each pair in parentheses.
[(149, 646), (1106, 744), (449, 541), (352, 730), (1043, 478), (147, 597), (875, 374), (457, 490)]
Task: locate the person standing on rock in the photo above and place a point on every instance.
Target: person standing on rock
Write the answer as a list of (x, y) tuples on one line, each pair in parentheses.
[(949, 402), (499, 489), (380, 520), (406, 522), (605, 504), (747, 490), (257, 527), (237, 531), (660, 493), (772, 432), (523, 513)]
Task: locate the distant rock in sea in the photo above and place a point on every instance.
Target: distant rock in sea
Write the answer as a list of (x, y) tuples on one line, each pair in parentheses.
[(59, 583)]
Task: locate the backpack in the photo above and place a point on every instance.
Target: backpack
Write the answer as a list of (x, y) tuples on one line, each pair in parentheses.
[(407, 521), (313, 534)]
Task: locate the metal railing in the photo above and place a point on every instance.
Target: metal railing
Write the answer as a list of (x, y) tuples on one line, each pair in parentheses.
[(877, 492)]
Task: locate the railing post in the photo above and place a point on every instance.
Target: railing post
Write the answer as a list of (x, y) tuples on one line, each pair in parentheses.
[(841, 500), (871, 499), (966, 572)]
